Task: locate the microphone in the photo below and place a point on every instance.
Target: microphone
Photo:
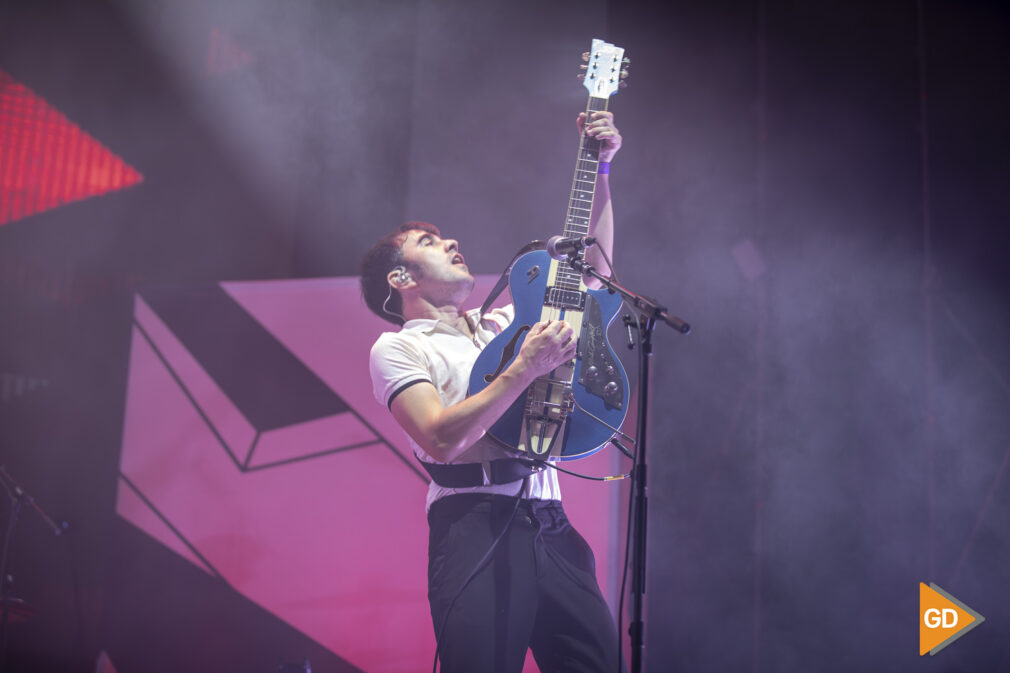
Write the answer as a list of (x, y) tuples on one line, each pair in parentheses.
[(561, 248)]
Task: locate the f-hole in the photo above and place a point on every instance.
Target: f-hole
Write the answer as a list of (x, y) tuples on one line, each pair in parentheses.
[(507, 354)]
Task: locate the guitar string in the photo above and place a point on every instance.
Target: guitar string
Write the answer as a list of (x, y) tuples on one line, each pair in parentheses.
[(565, 279)]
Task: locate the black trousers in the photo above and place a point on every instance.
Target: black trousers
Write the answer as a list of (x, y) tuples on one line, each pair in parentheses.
[(539, 590)]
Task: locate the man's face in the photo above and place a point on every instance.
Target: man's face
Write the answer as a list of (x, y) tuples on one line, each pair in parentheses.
[(435, 263)]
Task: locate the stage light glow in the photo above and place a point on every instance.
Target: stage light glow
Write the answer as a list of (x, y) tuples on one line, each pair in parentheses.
[(224, 54)]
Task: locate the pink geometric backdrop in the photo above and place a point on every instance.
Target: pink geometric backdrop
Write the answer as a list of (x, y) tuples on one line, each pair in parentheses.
[(318, 519)]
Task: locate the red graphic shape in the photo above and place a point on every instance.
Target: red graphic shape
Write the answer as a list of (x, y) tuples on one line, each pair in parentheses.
[(224, 55), (46, 160), (333, 544)]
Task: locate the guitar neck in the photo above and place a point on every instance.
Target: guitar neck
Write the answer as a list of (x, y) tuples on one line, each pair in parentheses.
[(580, 201)]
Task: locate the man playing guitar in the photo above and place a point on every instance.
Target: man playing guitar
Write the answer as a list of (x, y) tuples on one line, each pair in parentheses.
[(506, 570)]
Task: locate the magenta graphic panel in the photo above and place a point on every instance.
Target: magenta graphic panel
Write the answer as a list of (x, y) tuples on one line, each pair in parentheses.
[(253, 448)]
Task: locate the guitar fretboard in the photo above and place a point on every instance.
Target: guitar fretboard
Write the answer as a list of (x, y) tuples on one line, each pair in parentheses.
[(580, 203)]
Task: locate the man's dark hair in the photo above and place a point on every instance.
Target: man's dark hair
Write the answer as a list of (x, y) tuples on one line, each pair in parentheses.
[(386, 255)]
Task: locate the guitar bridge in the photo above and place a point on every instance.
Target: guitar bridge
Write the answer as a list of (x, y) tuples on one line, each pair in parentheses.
[(548, 403)]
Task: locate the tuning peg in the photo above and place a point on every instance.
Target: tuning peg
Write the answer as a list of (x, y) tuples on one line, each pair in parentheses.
[(581, 78), (583, 67), (585, 56), (625, 61), (623, 84), (624, 74)]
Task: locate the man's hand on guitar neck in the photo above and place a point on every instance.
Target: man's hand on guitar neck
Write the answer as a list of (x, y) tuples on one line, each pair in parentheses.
[(601, 127), (601, 222)]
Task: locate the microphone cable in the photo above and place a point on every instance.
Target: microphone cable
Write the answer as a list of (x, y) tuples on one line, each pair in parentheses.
[(613, 477)]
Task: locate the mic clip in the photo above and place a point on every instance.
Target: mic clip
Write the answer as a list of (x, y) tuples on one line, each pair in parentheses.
[(561, 248)]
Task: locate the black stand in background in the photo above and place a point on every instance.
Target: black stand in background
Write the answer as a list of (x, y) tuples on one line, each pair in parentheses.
[(651, 311), (18, 497)]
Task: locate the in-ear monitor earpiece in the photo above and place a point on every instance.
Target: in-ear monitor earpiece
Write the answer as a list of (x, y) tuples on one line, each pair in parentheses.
[(402, 276)]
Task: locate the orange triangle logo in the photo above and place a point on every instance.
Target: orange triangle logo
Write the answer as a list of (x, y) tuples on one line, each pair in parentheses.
[(942, 619), (47, 160)]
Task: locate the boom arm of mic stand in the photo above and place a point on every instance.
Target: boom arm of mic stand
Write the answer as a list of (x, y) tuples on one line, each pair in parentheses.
[(647, 305)]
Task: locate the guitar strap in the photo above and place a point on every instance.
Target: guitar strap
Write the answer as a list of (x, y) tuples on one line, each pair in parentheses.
[(504, 280), (470, 475)]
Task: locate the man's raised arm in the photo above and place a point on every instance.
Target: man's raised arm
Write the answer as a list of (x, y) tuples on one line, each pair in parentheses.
[(601, 220)]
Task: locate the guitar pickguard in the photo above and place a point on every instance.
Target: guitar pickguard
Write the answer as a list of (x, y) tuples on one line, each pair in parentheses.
[(599, 373)]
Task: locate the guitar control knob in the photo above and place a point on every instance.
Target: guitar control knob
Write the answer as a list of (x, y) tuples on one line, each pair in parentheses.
[(610, 389), (592, 373)]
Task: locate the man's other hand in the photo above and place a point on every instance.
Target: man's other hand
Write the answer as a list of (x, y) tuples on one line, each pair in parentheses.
[(601, 127)]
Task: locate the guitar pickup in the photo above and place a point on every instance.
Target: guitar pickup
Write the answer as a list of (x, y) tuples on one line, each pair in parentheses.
[(562, 298)]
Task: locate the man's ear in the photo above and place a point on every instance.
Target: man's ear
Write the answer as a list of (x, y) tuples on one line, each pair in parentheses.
[(398, 277)]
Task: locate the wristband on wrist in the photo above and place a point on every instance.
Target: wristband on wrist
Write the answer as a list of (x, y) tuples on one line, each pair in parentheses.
[(603, 168)]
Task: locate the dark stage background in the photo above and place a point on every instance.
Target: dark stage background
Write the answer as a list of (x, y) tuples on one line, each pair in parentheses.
[(820, 188)]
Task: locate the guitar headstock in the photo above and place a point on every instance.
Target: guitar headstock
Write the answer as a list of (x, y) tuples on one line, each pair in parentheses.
[(605, 67)]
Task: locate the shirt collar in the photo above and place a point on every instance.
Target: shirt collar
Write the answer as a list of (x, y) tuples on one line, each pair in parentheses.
[(429, 325), (423, 325)]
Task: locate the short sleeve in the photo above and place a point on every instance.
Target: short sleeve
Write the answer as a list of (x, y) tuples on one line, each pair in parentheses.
[(500, 318), (396, 364)]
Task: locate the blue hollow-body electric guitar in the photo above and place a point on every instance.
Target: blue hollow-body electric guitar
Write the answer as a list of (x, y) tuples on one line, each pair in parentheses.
[(577, 408)]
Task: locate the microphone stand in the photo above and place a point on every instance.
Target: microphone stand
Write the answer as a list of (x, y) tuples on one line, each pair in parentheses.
[(18, 497), (651, 311)]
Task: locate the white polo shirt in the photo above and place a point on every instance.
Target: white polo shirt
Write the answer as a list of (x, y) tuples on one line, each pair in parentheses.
[(435, 352)]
